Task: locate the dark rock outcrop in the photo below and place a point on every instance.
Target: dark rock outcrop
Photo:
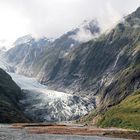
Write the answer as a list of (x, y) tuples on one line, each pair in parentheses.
[(10, 94)]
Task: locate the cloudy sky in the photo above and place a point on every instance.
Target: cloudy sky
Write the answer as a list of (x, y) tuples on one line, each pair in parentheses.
[(52, 18)]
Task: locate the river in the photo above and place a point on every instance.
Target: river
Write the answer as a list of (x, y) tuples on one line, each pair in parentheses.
[(7, 133)]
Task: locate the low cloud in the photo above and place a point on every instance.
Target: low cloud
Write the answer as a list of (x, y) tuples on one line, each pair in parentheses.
[(52, 18), (83, 36), (88, 30)]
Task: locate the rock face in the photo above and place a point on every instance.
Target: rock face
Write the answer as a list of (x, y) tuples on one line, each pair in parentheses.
[(10, 94)]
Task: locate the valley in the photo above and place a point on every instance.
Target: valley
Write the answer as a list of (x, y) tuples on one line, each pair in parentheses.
[(85, 82)]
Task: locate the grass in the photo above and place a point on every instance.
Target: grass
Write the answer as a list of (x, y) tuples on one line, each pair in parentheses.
[(124, 115)]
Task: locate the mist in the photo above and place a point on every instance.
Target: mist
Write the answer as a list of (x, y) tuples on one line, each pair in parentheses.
[(52, 18)]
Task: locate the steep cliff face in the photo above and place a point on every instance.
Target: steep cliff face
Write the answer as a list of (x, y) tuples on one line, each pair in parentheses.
[(125, 77), (10, 94)]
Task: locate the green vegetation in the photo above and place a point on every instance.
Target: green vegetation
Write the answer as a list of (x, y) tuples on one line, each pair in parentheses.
[(124, 115), (124, 83)]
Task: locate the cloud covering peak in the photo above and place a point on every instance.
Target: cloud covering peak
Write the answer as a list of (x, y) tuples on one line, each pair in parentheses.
[(52, 18)]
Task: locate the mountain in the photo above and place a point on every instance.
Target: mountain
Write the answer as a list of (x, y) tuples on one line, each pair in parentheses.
[(107, 68), (27, 50), (33, 57), (117, 75), (10, 94)]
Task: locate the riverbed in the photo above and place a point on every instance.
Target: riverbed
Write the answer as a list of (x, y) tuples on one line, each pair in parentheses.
[(7, 133)]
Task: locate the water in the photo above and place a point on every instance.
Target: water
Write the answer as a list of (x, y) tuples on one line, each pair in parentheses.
[(118, 57), (7, 133)]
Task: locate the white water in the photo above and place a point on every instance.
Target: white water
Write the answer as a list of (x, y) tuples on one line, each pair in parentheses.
[(117, 58), (4, 65)]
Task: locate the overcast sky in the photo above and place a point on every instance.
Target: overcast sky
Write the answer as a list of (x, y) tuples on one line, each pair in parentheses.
[(52, 18)]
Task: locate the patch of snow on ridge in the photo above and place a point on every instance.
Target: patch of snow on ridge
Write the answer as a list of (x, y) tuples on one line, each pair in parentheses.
[(23, 40)]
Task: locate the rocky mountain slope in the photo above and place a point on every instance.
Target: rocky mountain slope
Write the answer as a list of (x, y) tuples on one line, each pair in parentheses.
[(127, 114), (27, 50), (108, 67), (10, 94), (119, 83), (35, 57)]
